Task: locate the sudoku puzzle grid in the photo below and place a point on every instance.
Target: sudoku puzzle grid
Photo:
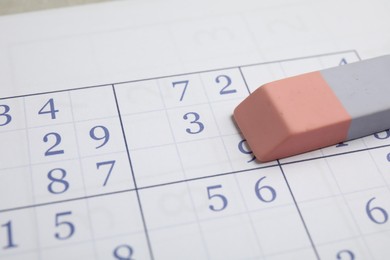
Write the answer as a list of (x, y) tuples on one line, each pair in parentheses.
[(157, 169)]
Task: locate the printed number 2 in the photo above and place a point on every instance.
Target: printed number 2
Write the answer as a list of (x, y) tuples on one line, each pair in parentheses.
[(225, 89), (48, 108), (5, 114), (57, 141)]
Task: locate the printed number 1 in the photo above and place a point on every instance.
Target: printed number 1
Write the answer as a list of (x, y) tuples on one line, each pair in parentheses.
[(49, 108), (10, 241)]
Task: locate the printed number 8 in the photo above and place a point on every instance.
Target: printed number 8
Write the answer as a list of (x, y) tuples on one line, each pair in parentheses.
[(5, 114)]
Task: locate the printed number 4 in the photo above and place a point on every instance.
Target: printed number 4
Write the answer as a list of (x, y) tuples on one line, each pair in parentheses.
[(49, 108)]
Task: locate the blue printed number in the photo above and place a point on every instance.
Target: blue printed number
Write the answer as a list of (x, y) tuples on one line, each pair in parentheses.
[(345, 255), (49, 108), (10, 241), (195, 121), (343, 61), (382, 135), (4, 114), (260, 190), (211, 194), (57, 141), (225, 79), (243, 147), (377, 214), (183, 83), (66, 227), (111, 166), (57, 184), (99, 133), (123, 252)]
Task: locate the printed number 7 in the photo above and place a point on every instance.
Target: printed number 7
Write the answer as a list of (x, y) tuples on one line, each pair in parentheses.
[(184, 83)]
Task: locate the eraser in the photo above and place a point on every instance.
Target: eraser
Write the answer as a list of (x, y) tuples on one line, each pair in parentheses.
[(317, 109)]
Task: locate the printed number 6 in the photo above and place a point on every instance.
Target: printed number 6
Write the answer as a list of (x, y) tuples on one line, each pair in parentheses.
[(195, 121), (220, 196)]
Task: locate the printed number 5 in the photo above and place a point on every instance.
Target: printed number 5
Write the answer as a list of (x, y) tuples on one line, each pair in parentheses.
[(59, 223), (220, 196)]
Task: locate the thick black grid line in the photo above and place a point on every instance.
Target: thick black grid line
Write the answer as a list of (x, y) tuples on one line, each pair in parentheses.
[(182, 74), (132, 174)]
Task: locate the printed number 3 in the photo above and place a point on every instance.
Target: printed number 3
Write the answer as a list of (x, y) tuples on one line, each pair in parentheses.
[(195, 121), (5, 114)]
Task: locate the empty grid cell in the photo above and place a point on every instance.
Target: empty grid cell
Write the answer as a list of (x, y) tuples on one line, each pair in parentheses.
[(280, 229), (99, 104), (240, 154), (379, 245), (216, 197), (193, 123), (107, 173), (100, 137), (14, 151), (328, 220), (123, 247), (370, 209), (359, 167), (303, 156), (147, 130), (156, 165), (16, 188), (48, 109), (295, 254), (344, 147), (329, 61), (311, 180), (223, 114), (52, 143), (257, 75), (83, 250), (296, 67), (381, 157), (264, 188), (110, 219), (19, 233), (139, 97), (57, 181), (204, 158), (377, 139), (231, 237), (178, 242), (12, 115), (224, 85), (182, 91), (355, 248), (171, 203), (63, 224)]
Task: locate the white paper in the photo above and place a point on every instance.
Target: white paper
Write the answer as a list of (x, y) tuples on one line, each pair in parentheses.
[(117, 141)]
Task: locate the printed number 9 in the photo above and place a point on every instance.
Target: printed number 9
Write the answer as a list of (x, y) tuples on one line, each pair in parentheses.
[(98, 133), (349, 255), (242, 146), (123, 252)]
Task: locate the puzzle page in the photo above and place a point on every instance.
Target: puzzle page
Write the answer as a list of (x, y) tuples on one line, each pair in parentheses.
[(117, 139)]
